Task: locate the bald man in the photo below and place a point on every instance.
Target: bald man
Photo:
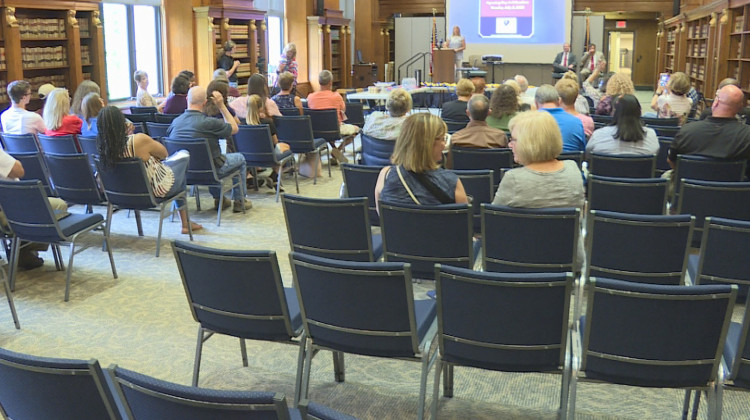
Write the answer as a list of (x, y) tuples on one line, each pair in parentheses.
[(194, 124), (719, 136)]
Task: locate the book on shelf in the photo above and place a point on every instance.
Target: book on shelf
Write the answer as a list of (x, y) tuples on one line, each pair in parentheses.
[(2, 58), (83, 27), (43, 57), (85, 55), (738, 20), (38, 28)]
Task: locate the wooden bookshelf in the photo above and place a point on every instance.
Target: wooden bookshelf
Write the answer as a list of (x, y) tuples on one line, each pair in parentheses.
[(671, 49), (329, 38), (42, 42), (738, 53), (699, 44)]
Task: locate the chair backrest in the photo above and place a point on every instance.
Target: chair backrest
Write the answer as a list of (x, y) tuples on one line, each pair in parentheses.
[(521, 321), (378, 319), (707, 169), (655, 335), (510, 239), (73, 178), (665, 130), (147, 398), (623, 166), (355, 114), (454, 126), (661, 158), (574, 156), (143, 110), (141, 118), (90, 148), (296, 131), (157, 129), (289, 112), (722, 257), (19, 143), (473, 158), (255, 144), (126, 184), (46, 388), (331, 228), (58, 144), (604, 119), (375, 151), (201, 169), (480, 186), (325, 123), (165, 118), (34, 167), (425, 235), (739, 364), (359, 181), (639, 248), (660, 121), (730, 200), (627, 195), (234, 292)]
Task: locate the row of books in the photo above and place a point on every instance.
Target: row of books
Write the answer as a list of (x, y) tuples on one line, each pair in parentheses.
[(4, 92), (2, 58), (85, 55), (699, 49), (84, 29), (44, 57), (38, 28), (698, 31), (56, 80), (240, 49), (738, 23), (695, 70), (238, 31)]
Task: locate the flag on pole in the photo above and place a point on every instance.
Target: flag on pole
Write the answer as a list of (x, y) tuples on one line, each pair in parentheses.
[(433, 40)]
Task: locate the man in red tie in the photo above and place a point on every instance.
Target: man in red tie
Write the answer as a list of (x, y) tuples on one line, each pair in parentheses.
[(590, 60), (564, 61)]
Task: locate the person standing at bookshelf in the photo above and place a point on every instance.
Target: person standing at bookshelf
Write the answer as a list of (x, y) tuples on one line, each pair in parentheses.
[(16, 119), (57, 116), (228, 63)]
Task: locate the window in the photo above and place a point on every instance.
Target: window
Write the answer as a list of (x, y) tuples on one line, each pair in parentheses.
[(128, 49), (275, 46)]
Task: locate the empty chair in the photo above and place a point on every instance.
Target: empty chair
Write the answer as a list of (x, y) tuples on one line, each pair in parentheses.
[(381, 317), (603, 119), (639, 248), (730, 200), (15, 143), (652, 336), (127, 186), (737, 356), (472, 158), (375, 151), (706, 169), (454, 126), (479, 185), (143, 110), (90, 148), (58, 144), (73, 178), (256, 145), (722, 257), (627, 195), (355, 114), (157, 129), (652, 121), (202, 170), (511, 239), (237, 293), (622, 166), (296, 131), (289, 112), (147, 398), (661, 158), (35, 167), (325, 125), (359, 181), (45, 388), (518, 323), (140, 118), (665, 130), (574, 156), (331, 228), (425, 235), (165, 118)]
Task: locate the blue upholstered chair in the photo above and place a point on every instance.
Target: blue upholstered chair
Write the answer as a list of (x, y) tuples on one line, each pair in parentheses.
[(296, 131), (256, 145), (289, 112), (627, 195), (604, 119), (90, 147), (58, 144), (454, 126), (510, 239), (375, 151), (518, 323), (622, 166), (355, 114), (331, 228), (236, 293), (706, 169), (661, 157), (157, 130), (381, 317), (46, 388), (137, 110), (140, 119), (127, 187), (73, 179), (31, 218), (359, 181), (425, 235), (577, 157), (638, 248), (651, 121), (165, 118), (147, 398), (35, 168), (312, 411), (472, 158), (325, 125), (730, 200), (665, 130), (480, 186), (14, 143), (650, 335), (736, 367)]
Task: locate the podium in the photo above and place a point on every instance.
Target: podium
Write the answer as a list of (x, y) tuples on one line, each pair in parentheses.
[(443, 66)]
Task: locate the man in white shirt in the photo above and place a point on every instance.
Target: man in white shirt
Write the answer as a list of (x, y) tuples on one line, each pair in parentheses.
[(16, 119)]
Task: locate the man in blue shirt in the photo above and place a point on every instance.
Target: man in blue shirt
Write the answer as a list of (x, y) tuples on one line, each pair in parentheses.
[(548, 100)]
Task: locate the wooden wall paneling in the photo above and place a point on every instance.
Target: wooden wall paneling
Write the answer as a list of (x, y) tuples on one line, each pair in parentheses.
[(413, 7), (314, 51), (203, 45), (99, 70), (178, 40), (602, 6), (12, 38), (366, 30), (645, 47), (295, 30), (72, 30)]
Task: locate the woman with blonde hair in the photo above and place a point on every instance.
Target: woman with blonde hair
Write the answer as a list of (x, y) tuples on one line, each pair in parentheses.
[(256, 115), (288, 61), (618, 84), (387, 125), (56, 116), (415, 176), (581, 105)]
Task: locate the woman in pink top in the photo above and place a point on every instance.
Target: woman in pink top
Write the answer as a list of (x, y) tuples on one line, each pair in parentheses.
[(56, 114), (256, 85)]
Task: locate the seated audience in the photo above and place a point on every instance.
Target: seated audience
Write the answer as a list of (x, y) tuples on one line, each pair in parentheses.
[(16, 119), (256, 85), (176, 103), (56, 114), (568, 91), (326, 98), (188, 75), (92, 104), (42, 92), (617, 85), (479, 85), (595, 86), (86, 87), (167, 174), (221, 74), (285, 98), (142, 97), (626, 135), (742, 116), (211, 109), (387, 125), (416, 176), (527, 94), (503, 106), (573, 136), (477, 133), (456, 110), (193, 123), (581, 105), (256, 114), (671, 102)]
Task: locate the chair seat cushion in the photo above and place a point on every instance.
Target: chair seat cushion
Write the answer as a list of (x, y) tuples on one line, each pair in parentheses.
[(424, 313), (319, 142), (293, 304), (377, 246), (74, 223)]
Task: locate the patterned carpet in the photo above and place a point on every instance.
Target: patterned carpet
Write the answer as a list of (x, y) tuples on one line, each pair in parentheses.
[(141, 321)]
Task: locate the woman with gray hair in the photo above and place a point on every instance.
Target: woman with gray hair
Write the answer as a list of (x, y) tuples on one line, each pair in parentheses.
[(387, 125)]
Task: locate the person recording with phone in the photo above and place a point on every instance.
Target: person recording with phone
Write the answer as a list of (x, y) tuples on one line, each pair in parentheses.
[(670, 101)]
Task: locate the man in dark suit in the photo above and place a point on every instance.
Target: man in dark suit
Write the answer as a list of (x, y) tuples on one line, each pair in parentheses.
[(564, 61)]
